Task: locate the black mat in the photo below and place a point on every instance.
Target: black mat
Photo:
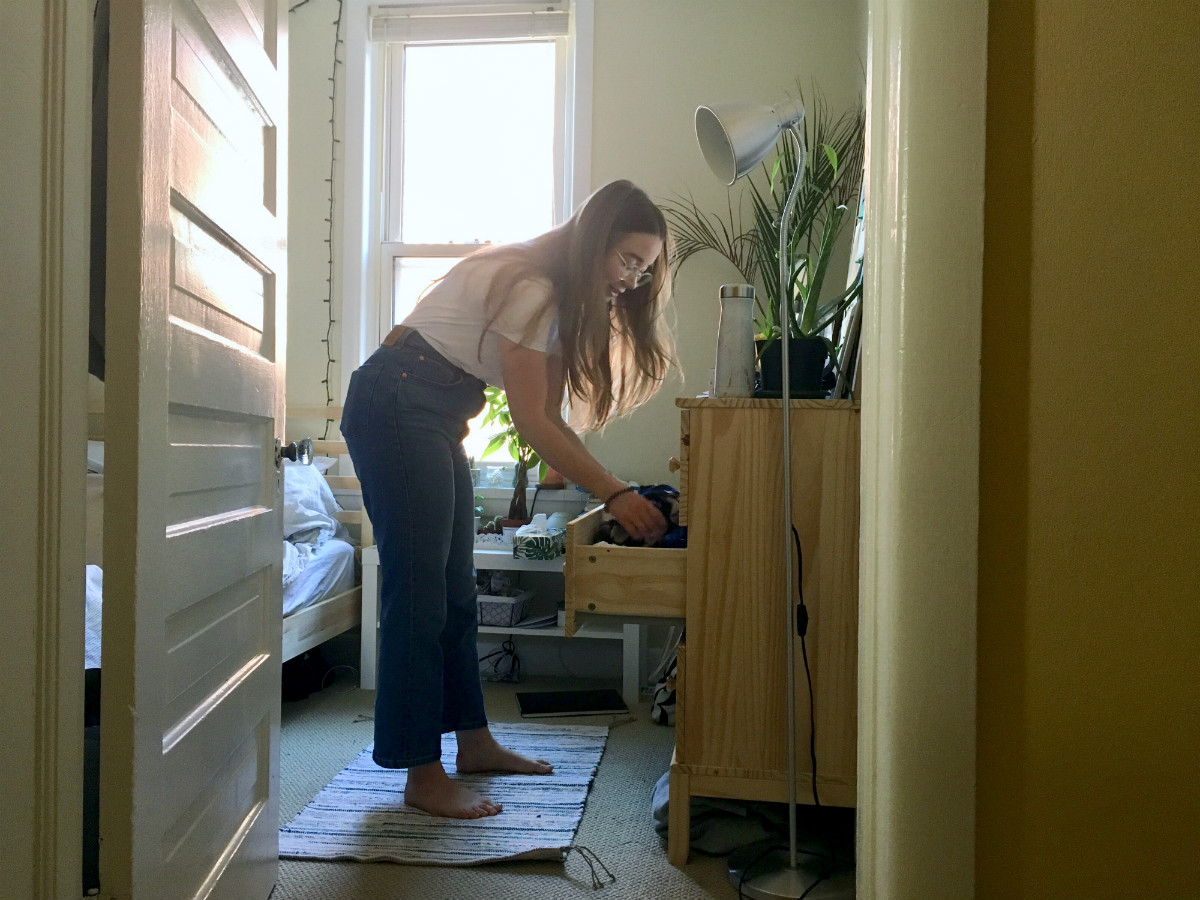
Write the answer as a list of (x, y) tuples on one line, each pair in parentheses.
[(540, 704)]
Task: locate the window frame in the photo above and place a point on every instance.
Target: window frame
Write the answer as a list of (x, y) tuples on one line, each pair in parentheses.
[(367, 260)]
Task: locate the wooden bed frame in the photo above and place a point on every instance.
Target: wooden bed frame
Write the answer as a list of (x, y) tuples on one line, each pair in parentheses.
[(313, 625)]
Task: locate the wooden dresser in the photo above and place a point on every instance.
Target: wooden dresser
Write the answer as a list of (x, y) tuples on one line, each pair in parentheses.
[(731, 718)]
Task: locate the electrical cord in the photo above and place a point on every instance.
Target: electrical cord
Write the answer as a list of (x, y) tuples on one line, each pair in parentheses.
[(590, 857), (802, 630), (507, 651), (823, 876), (750, 865), (830, 856), (331, 670)]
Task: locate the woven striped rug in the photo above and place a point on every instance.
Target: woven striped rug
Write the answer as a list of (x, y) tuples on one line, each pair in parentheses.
[(361, 815)]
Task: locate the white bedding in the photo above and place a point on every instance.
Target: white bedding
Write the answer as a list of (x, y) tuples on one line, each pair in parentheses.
[(318, 558), (94, 592), (309, 508), (312, 572)]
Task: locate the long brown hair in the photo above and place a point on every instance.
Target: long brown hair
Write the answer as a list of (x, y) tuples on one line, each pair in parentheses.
[(615, 356)]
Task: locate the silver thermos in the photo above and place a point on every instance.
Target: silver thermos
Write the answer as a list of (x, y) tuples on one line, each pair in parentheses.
[(733, 375)]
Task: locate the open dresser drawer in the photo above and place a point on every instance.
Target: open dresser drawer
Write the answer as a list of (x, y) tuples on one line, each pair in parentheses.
[(627, 583)]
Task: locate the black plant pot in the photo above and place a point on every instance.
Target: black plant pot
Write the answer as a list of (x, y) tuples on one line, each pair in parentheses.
[(807, 359)]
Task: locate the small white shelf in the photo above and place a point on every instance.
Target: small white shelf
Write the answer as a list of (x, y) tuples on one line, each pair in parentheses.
[(503, 559), (612, 631)]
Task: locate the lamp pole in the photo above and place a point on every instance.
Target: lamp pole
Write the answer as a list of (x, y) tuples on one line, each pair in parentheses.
[(785, 311)]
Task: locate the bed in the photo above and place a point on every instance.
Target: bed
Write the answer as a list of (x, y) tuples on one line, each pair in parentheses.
[(322, 592), (305, 625)]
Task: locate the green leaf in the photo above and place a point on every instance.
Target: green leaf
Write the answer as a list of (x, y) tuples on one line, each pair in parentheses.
[(831, 155), (495, 444)]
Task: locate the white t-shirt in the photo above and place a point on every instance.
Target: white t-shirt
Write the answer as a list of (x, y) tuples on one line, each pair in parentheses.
[(452, 315)]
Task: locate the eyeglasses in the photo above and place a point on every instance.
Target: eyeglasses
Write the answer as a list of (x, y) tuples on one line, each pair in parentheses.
[(632, 274)]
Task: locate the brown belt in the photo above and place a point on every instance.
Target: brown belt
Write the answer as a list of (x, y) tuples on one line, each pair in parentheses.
[(395, 335)]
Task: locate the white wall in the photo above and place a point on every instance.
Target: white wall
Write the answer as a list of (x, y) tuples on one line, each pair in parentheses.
[(311, 56), (654, 62)]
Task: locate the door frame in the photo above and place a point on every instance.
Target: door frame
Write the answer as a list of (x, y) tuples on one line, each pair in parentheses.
[(927, 97), (46, 50), (919, 472)]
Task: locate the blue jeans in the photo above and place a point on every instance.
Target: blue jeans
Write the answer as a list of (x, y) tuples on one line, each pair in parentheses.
[(405, 417)]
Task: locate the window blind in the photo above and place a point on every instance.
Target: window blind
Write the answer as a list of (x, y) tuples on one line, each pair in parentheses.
[(484, 22)]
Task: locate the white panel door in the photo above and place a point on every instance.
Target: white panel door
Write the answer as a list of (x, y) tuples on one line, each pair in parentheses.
[(193, 529)]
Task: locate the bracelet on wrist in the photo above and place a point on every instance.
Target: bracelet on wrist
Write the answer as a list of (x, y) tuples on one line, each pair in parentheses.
[(625, 490)]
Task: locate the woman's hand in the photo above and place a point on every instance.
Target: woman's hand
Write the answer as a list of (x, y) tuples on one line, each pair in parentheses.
[(638, 516)]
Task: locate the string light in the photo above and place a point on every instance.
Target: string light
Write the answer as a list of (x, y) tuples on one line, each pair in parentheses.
[(328, 240)]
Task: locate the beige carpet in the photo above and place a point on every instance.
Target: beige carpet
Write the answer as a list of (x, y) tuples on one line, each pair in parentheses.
[(322, 734)]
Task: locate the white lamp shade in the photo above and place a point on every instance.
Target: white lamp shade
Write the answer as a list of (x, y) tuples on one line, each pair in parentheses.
[(736, 136)]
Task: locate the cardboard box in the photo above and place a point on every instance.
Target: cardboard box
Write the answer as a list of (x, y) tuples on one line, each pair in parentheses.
[(503, 612)]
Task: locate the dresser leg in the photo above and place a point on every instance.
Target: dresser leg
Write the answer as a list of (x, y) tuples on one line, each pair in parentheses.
[(679, 817)]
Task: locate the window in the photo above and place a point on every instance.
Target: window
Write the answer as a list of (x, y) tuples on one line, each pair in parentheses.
[(478, 125), (475, 106), (471, 154)]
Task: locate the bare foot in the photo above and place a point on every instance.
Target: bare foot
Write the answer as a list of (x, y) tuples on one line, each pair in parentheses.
[(479, 752), (430, 789)]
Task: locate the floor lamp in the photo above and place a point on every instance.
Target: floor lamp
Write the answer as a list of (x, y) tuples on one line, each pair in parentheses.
[(735, 137)]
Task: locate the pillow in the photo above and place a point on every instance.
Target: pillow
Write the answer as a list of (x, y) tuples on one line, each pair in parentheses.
[(309, 506)]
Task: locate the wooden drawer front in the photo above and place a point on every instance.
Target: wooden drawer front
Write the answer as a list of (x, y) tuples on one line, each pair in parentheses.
[(737, 618), (626, 582)]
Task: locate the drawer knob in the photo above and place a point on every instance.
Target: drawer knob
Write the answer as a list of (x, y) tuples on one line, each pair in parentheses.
[(591, 559), (591, 606)]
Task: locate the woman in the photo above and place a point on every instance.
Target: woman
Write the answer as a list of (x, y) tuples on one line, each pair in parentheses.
[(578, 311)]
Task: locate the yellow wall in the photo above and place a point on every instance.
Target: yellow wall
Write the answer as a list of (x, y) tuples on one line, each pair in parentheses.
[(1089, 634)]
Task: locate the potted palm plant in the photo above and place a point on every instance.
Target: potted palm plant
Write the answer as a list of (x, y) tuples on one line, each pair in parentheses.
[(831, 178), (509, 438)]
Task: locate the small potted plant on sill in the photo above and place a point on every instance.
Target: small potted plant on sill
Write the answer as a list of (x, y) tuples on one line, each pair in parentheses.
[(524, 455), (827, 202)]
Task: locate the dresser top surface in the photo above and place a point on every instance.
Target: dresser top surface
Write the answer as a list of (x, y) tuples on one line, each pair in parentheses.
[(758, 403)]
